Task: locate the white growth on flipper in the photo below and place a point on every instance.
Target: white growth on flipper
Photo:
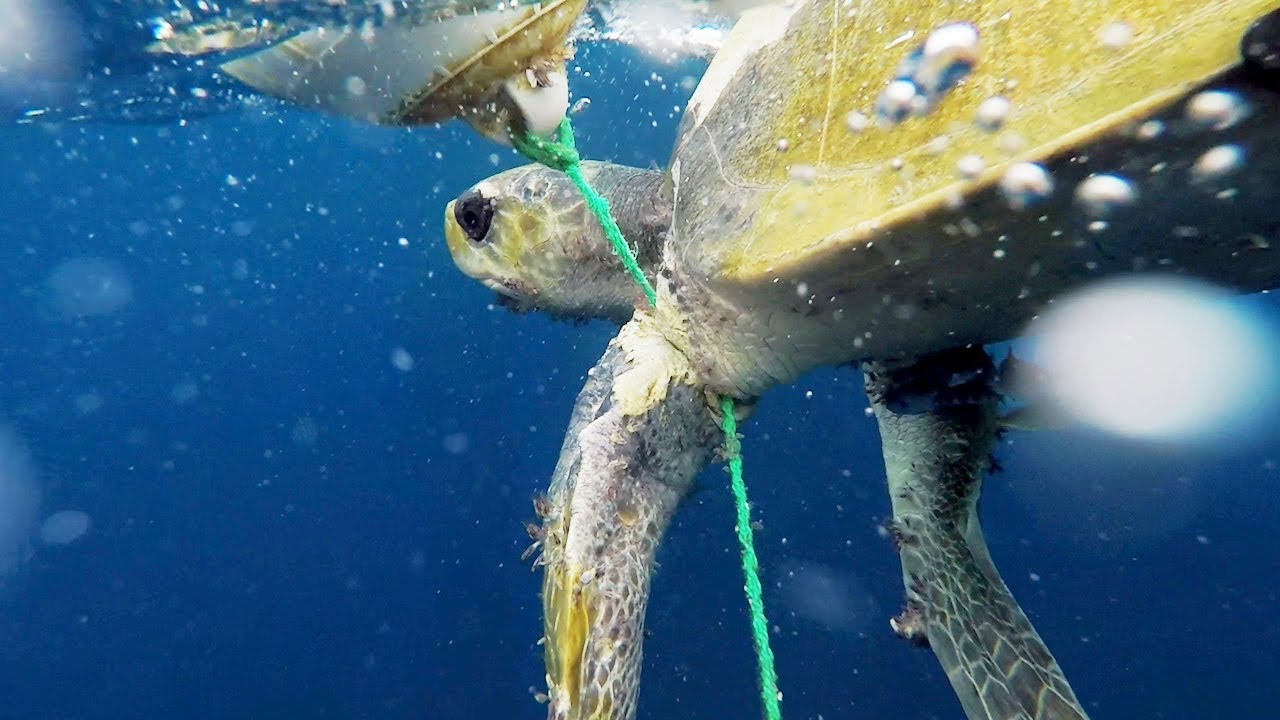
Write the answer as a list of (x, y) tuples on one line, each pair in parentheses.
[(1164, 358), (64, 527)]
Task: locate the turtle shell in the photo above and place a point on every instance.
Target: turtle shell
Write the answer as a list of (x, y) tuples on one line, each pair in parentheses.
[(878, 178), (412, 75)]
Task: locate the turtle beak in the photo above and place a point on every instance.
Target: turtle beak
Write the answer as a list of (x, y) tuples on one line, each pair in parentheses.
[(454, 238), (476, 261)]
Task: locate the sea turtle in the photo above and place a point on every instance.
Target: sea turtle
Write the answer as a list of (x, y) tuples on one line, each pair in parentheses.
[(844, 188), (499, 69)]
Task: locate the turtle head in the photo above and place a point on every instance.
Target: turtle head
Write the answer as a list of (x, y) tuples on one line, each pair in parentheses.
[(528, 235)]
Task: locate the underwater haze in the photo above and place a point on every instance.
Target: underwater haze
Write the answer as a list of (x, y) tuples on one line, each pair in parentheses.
[(265, 453)]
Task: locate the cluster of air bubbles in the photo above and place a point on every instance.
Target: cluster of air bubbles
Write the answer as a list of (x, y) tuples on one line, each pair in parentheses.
[(947, 55), (1025, 184)]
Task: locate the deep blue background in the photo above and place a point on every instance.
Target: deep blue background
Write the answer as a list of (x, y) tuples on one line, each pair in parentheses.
[(233, 573)]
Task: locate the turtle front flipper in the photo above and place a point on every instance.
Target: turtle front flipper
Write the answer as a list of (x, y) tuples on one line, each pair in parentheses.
[(939, 424), (639, 434)]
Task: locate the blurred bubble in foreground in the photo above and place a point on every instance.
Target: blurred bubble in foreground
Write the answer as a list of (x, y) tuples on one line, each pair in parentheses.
[(39, 43), (19, 501), (85, 286), (1162, 359), (831, 598), (64, 527)]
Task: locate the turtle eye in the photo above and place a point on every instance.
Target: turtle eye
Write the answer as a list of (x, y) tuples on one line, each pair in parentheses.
[(474, 213)]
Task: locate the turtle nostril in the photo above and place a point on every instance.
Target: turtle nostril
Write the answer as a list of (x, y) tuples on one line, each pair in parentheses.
[(474, 213)]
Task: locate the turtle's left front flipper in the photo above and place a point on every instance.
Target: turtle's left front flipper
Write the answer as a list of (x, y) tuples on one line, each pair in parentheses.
[(938, 425), (640, 432)]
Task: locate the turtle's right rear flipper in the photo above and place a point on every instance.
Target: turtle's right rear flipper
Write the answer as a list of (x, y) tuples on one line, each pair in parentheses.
[(938, 425)]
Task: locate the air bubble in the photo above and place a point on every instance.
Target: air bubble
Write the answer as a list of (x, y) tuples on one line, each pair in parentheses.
[(1025, 184), (993, 112), (1100, 195), (970, 166), (1217, 162), (856, 121), (803, 173), (1115, 35), (1216, 109)]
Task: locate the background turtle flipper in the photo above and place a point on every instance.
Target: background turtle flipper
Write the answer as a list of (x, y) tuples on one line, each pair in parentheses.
[(939, 425), (620, 476)]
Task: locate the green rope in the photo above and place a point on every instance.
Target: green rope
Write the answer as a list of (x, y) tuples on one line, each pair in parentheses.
[(562, 154), (769, 694)]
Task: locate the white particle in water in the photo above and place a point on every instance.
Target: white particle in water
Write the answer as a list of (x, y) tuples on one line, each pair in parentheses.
[(456, 443), (356, 85), (401, 359), (184, 392)]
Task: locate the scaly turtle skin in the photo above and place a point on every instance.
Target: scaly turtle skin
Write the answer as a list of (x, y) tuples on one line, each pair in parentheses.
[(795, 242)]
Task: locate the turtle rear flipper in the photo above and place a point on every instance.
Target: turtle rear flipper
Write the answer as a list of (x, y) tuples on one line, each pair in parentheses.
[(938, 425)]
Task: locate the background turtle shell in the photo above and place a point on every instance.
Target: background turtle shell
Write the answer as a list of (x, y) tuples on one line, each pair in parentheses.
[(411, 75)]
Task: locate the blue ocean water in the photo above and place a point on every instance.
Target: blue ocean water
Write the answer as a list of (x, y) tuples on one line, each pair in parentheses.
[(291, 520)]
